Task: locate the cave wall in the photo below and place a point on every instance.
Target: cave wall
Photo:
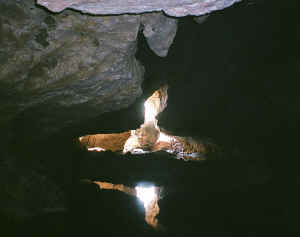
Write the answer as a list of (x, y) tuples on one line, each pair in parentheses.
[(65, 67), (60, 69), (57, 70)]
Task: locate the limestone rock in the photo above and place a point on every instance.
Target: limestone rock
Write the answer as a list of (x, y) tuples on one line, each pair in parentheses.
[(171, 7), (65, 68), (159, 31)]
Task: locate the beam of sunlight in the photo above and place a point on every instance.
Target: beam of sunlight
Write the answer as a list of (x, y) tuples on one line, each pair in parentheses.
[(150, 112), (155, 104)]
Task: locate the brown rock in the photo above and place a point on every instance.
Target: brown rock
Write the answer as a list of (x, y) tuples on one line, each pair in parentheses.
[(109, 142)]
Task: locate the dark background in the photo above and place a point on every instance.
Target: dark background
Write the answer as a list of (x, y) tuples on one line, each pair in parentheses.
[(233, 79)]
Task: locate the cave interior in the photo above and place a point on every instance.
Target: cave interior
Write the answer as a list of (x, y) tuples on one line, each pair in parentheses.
[(232, 79)]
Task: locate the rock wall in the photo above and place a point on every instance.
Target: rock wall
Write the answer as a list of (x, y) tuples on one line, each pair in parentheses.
[(68, 67), (57, 70), (65, 67)]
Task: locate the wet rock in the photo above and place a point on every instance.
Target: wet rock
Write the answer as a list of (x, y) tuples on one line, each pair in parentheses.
[(57, 70), (159, 31), (170, 7)]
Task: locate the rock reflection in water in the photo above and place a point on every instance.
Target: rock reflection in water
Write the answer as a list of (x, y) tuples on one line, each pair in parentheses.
[(148, 195)]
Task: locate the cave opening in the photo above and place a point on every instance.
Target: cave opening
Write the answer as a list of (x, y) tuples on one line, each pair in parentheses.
[(228, 83)]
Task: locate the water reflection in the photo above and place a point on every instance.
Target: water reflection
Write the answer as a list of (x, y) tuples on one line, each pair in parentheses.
[(148, 195)]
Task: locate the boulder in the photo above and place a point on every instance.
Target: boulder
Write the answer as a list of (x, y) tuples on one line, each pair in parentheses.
[(57, 70)]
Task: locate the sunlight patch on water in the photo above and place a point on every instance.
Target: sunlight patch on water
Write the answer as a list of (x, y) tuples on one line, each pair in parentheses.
[(146, 194)]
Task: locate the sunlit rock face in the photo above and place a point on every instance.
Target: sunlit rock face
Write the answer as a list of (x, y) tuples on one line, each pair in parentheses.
[(132, 143), (170, 7), (155, 104), (149, 137), (105, 142), (65, 67)]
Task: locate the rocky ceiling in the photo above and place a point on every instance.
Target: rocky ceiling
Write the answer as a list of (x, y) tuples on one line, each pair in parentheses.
[(176, 8), (59, 69)]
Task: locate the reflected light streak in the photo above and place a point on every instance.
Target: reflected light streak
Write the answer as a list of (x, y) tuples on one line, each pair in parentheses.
[(96, 149)]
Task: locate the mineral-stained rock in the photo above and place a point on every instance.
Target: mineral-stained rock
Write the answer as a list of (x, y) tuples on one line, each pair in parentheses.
[(59, 69), (170, 7), (107, 142)]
